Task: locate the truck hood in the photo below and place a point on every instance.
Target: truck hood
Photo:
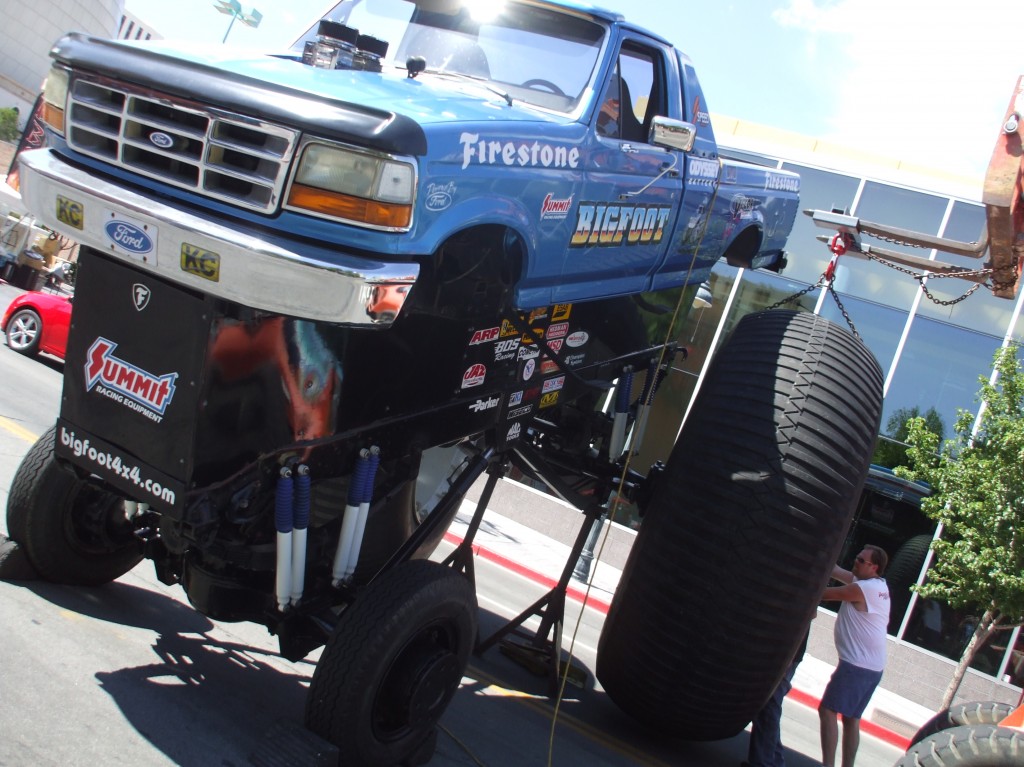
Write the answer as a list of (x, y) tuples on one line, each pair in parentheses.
[(385, 109)]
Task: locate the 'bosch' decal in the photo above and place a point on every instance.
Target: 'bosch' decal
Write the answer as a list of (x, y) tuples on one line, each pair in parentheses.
[(601, 224)]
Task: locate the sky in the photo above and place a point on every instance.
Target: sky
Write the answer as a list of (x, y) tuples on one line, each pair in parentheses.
[(924, 81)]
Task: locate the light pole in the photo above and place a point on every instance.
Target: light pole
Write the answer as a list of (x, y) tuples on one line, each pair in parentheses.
[(233, 8)]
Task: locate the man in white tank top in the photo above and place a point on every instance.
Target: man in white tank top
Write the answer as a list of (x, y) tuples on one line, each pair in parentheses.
[(860, 633)]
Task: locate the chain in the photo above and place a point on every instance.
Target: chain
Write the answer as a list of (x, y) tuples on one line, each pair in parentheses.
[(826, 281), (983, 272)]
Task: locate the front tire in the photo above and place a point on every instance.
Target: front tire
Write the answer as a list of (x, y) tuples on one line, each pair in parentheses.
[(23, 331), (72, 531), (393, 663), (743, 528)]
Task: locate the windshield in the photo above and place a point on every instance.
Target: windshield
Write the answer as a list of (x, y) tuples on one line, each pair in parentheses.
[(533, 54)]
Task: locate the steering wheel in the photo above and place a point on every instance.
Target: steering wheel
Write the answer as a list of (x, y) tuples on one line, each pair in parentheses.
[(539, 82)]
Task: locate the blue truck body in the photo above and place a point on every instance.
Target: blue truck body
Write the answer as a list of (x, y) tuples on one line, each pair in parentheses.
[(592, 214)]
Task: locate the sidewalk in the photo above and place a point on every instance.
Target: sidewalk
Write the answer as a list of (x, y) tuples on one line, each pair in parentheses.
[(541, 559)]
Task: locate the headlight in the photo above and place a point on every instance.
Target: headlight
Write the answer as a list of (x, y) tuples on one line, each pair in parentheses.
[(55, 96), (354, 186)]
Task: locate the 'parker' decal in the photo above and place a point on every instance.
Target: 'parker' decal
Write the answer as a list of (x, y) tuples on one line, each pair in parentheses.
[(599, 224)]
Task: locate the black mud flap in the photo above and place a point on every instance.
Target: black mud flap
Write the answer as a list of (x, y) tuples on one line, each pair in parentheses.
[(132, 380)]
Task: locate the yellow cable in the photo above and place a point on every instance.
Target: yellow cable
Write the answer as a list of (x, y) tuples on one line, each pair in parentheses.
[(616, 502)]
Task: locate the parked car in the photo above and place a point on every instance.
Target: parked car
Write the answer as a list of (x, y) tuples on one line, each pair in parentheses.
[(38, 322)]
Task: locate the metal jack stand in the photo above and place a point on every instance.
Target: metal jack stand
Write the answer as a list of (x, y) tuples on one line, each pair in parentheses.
[(462, 558), (542, 654)]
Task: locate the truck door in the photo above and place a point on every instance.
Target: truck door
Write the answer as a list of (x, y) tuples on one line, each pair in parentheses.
[(628, 205)]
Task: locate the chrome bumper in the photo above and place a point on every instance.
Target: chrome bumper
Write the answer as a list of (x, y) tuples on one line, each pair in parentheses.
[(202, 255)]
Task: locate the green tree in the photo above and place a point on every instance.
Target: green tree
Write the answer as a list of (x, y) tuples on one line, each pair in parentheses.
[(9, 124), (977, 498), (891, 449)]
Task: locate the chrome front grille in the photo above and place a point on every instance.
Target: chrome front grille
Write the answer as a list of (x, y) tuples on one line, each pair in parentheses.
[(227, 157)]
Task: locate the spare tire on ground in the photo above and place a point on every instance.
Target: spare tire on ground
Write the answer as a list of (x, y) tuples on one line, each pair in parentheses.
[(743, 527)]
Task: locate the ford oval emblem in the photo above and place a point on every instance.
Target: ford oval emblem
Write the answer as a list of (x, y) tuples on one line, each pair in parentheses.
[(161, 139), (128, 236)]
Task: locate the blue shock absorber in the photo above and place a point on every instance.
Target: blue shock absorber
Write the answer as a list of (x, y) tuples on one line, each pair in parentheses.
[(301, 517), (364, 510), (284, 522), (356, 489)]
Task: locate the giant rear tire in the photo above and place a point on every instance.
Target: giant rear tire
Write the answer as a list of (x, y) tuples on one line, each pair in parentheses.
[(72, 531), (393, 664), (743, 528)]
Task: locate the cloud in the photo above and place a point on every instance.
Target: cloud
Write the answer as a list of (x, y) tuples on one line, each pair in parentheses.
[(927, 83)]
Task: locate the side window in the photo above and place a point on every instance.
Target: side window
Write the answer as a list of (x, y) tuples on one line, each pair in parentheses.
[(632, 96)]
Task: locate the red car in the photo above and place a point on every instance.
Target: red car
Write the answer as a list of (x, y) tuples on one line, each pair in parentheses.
[(38, 322)]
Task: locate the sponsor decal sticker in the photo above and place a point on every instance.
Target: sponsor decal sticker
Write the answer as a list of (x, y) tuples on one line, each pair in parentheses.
[(558, 330), (485, 404), (553, 384), (528, 352), (484, 336), (200, 262), (577, 339), (519, 412), (538, 314), (523, 154), (514, 431), (548, 366), (574, 359), (702, 171), (506, 350), (70, 212), (474, 376), (561, 312), (780, 183), (440, 196), (140, 296), (549, 400), (125, 383), (700, 116), (515, 398), (131, 237), (613, 225), (529, 368), (555, 346), (508, 329), (555, 210)]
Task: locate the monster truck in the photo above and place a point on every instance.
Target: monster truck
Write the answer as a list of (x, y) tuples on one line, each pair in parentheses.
[(324, 291)]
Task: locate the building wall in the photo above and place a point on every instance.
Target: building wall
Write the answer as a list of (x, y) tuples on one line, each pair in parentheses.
[(28, 31)]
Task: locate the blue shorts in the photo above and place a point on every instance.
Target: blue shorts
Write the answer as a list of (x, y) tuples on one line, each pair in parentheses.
[(850, 689)]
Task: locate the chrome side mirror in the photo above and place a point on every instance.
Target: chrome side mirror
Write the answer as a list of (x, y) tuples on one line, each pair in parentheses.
[(672, 134)]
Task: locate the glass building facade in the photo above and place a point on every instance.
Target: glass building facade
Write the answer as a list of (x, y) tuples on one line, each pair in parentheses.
[(933, 350)]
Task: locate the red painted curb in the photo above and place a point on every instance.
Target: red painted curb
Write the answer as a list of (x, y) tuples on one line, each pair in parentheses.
[(799, 696)]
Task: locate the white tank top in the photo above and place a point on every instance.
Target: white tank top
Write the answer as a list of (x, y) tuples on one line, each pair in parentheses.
[(860, 636)]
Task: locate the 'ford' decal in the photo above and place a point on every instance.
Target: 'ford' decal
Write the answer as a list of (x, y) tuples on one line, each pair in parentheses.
[(129, 237), (161, 139)]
